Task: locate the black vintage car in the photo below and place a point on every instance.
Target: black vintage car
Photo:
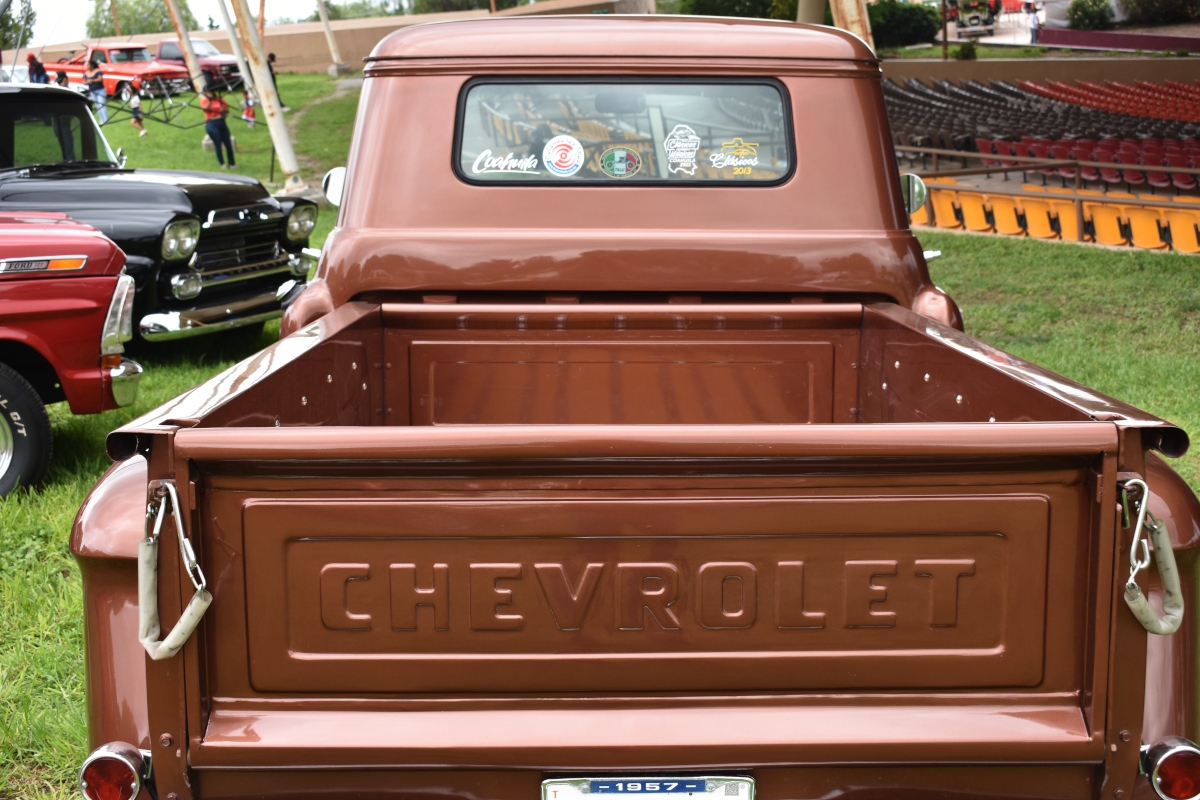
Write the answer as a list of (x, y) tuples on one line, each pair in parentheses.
[(208, 252)]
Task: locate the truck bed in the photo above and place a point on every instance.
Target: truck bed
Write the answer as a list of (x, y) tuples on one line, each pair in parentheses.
[(571, 538)]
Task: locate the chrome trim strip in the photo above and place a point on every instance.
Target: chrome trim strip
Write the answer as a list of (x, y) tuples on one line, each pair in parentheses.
[(5, 262), (165, 327), (207, 282)]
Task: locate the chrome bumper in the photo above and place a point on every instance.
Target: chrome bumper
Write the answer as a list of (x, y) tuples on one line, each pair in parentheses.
[(125, 380), (164, 326)]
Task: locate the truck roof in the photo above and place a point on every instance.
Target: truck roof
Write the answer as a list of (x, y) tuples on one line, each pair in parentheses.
[(616, 36)]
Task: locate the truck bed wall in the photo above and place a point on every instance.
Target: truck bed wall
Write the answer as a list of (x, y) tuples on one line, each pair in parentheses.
[(411, 364)]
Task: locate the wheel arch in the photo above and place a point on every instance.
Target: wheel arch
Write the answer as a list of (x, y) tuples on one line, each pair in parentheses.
[(34, 367)]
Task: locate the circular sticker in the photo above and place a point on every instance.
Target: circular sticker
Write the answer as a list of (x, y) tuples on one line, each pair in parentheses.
[(620, 162), (563, 155)]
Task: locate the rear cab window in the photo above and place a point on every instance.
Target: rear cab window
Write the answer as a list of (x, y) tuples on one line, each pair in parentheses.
[(623, 131)]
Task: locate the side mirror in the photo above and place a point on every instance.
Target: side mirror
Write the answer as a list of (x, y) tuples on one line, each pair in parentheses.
[(332, 185), (914, 191), (121, 158)]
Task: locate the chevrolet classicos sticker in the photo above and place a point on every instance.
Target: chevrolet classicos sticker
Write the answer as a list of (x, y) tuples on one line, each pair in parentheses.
[(736, 153), (681, 145), (486, 162), (620, 162), (563, 155)]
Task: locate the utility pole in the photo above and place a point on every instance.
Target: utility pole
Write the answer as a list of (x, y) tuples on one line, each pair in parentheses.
[(811, 11), (185, 43), (945, 40), (112, 4), (338, 68), (267, 96), (851, 15), (237, 46)]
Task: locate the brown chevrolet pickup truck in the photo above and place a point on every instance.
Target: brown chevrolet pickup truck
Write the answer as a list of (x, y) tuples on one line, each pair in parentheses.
[(622, 444)]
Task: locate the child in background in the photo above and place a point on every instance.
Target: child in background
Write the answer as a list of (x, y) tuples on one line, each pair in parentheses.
[(135, 111), (247, 107)]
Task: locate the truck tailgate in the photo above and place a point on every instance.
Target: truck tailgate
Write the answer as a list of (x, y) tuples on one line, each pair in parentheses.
[(539, 595)]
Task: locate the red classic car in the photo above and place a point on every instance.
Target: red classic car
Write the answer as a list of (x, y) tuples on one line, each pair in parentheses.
[(220, 69), (66, 308), (127, 67)]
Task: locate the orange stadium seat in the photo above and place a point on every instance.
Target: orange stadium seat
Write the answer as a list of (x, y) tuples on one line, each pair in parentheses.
[(1185, 230), (1005, 215), (1106, 223), (945, 208), (975, 213), (1145, 225), (1065, 211), (1039, 219)]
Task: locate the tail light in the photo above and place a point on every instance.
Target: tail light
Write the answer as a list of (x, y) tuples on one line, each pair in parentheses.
[(112, 772), (1173, 766)]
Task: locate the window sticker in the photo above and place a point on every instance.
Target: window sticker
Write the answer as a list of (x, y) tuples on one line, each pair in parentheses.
[(486, 163), (563, 155), (624, 131), (620, 162), (739, 154), (682, 145)]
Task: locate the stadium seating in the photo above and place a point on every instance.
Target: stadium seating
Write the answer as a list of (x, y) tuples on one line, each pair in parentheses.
[(1185, 230)]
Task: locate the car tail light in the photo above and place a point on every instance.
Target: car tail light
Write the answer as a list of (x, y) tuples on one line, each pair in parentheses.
[(1173, 766), (112, 772)]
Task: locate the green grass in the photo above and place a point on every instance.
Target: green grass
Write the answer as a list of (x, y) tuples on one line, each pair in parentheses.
[(179, 147), (1126, 323)]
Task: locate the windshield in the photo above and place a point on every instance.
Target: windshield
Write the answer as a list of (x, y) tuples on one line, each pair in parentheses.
[(46, 133), (627, 131), (128, 54), (204, 48)]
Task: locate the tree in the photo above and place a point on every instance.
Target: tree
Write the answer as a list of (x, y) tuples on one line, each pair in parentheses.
[(137, 16), (17, 26)]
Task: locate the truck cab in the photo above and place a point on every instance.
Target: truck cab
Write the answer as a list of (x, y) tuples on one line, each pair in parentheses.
[(622, 444)]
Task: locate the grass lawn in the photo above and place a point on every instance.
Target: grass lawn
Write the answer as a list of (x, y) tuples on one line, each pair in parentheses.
[(1126, 323), (179, 147)]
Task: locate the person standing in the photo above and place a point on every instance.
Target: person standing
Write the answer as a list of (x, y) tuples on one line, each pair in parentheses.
[(247, 108), (61, 79), (135, 113), (93, 78), (215, 110), (37, 72), (1035, 24), (274, 82)]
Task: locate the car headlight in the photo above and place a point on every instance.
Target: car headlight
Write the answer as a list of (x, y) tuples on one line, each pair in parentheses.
[(301, 222), (180, 238)]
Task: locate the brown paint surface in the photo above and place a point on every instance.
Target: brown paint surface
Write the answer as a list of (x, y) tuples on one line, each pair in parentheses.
[(520, 498)]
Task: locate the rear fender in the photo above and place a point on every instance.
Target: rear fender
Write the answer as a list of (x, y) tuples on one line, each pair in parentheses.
[(104, 542), (1171, 661)]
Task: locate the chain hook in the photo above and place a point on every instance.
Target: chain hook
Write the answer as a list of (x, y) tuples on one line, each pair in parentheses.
[(1145, 528)]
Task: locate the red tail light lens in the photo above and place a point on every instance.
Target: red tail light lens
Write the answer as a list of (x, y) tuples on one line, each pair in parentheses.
[(1178, 775), (112, 772)]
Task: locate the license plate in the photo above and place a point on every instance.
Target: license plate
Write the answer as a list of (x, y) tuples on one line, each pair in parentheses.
[(649, 788)]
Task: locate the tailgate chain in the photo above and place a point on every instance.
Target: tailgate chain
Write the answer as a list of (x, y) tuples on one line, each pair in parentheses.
[(148, 625), (1172, 604)]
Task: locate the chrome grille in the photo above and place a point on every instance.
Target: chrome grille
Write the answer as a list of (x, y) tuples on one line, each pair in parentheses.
[(239, 255)]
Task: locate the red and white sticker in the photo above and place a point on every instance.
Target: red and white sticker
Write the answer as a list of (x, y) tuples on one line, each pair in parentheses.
[(563, 155)]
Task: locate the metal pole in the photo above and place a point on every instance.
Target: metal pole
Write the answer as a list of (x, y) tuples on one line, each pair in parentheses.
[(811, 11), (237, 46), (1078, 203), (116, 22), (945, 40), (851, 15), (267, 96), (491, 4), (262, 19), (185, 43), (338, 66)]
